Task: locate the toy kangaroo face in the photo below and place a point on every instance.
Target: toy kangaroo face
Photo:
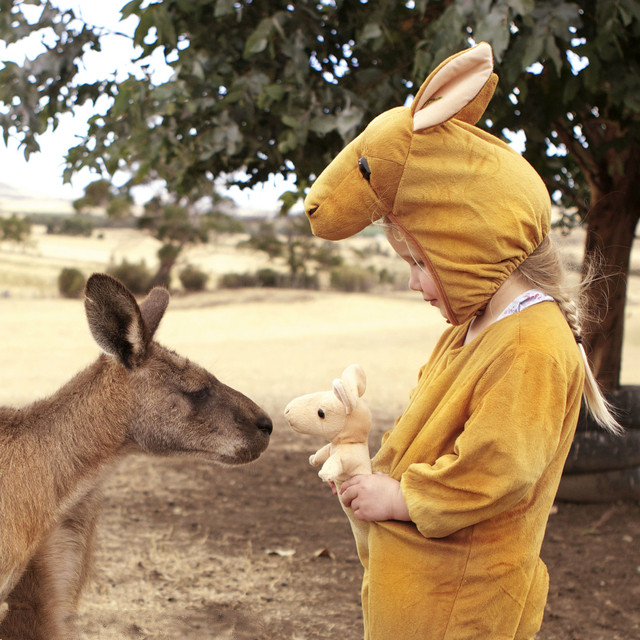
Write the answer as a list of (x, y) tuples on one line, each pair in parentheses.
[(331, 414), (317, 414)]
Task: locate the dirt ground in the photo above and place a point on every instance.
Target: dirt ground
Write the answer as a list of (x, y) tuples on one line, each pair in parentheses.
[(263, 552)]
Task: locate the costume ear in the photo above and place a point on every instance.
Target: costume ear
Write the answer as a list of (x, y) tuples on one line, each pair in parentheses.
[(460, 86)]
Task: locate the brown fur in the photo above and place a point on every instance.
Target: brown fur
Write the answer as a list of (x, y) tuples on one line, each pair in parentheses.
[(138, 396)]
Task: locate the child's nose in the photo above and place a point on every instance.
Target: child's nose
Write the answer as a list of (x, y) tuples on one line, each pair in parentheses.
[(414, 280)]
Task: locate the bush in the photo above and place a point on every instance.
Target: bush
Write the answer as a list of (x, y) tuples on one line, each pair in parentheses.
[(238, 280), (349, 278), (14, 228), (305, 280), (193, 279), (71, 283), (268, 278), (136, 277)]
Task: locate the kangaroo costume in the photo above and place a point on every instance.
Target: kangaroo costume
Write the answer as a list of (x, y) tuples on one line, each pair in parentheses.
[(480, 448)]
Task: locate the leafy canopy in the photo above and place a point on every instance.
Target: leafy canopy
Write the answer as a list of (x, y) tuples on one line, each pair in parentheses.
[(280, 87)]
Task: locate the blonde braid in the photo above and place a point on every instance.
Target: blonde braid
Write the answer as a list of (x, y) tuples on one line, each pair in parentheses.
[(571, 312), (544, 270)]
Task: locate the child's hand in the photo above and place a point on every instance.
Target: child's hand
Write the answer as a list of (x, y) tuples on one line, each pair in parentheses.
[(374, 497)]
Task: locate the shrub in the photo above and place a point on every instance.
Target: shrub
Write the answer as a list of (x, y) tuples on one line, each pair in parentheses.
[(136, 277), (305, 280), (193, 279), (77, 225), (327, 256), (268, 278), (238, 280), (14, 228), (70, 283), (350, 278)]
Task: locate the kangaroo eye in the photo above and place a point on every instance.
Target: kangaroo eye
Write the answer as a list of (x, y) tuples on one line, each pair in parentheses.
[(321, 414), (363, 165), (199, 395)]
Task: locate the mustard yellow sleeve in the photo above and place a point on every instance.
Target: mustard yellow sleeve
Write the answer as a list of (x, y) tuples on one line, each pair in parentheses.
[(514, 429)]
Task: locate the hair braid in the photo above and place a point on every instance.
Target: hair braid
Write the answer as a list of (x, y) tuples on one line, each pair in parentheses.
[(572, 314), (545, 271)]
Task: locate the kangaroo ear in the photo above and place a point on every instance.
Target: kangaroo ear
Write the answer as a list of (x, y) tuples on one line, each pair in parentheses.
[(461, 86), (152, 309), (115, 319)]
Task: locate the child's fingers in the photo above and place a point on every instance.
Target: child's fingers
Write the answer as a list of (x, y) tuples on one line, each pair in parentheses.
[(350, 482), (347, 496)]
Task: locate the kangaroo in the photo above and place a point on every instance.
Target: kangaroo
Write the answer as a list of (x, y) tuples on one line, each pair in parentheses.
[(54, 454)]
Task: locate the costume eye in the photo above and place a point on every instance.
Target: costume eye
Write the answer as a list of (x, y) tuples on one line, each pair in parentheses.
[(321, 414), (363, 165)]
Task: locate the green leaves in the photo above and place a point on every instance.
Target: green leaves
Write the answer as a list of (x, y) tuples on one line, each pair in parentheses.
[(282, 90), (267, 28)]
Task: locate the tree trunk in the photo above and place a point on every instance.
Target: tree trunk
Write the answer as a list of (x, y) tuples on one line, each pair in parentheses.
[(168, 255), (611, 225), (162, 278)]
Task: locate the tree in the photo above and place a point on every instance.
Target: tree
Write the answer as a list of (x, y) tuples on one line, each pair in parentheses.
[(14, 229), (178, 224), (101, 194), (584, 103), (280, 87)]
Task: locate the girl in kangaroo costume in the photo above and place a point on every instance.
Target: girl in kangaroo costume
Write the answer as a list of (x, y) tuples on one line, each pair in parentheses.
[(464, 482)]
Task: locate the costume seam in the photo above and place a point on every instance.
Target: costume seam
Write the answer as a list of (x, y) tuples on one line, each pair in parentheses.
[(464, 573)]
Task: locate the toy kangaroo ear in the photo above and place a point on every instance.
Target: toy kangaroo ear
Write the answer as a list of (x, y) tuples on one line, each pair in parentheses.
[(461, 86), (355, 377), (343, 394)]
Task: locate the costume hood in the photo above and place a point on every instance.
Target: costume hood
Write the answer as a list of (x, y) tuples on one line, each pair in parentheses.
[(475, 208)]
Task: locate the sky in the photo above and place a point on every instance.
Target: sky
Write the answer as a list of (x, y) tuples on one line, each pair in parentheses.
[(41, 175)]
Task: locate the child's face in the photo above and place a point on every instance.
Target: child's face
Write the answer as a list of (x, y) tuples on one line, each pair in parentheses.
[(420, 279)]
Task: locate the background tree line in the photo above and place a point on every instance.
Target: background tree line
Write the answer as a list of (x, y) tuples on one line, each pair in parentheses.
[(279, 87)]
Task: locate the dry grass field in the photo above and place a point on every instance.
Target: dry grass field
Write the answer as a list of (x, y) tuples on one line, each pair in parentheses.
[(187, 550)]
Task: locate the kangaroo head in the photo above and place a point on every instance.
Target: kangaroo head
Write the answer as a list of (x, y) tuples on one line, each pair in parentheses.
[(177, 407)]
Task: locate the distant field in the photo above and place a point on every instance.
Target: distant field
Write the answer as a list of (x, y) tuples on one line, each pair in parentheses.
[(243, 331)]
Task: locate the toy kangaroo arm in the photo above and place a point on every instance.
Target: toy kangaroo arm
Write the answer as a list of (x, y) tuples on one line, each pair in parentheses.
[(346, 461), (320, 456)]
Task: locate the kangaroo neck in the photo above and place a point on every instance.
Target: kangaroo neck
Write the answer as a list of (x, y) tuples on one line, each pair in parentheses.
[(80, 430)]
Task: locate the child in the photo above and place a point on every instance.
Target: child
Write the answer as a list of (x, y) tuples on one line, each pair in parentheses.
[(464, 482)]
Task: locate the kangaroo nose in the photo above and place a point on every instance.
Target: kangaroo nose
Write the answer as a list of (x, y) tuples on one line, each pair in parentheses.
[(264, 424)]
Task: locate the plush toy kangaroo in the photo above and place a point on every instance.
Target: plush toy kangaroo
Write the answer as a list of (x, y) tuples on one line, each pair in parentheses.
[(343, 418)]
